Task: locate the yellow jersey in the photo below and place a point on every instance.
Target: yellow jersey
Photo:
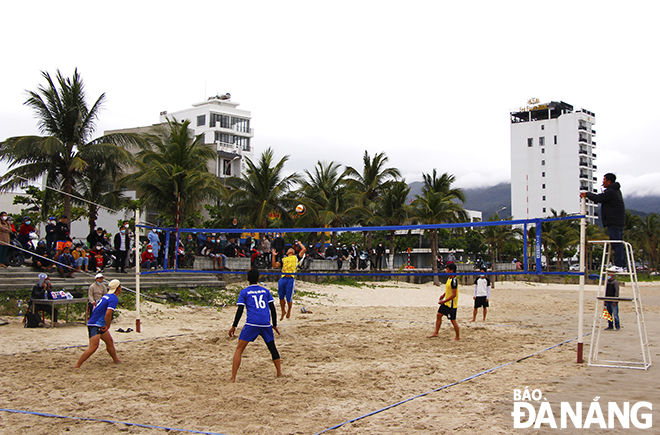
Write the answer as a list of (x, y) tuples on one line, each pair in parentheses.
[(452, 283), (289, 265)]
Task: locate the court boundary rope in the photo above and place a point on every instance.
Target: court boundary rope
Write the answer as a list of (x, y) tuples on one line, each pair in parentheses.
[(474, 376), (444, 387), (101, 420)]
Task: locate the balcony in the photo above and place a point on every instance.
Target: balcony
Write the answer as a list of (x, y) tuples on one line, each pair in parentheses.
[(582, 127), (593, 132), (583, 151), (593, 155), (584, 174), (584, 162)]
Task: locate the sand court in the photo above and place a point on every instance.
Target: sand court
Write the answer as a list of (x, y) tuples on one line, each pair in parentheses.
[(362, 350)]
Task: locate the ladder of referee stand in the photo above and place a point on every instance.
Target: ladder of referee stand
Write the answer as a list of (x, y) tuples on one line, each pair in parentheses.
[(594, 351)]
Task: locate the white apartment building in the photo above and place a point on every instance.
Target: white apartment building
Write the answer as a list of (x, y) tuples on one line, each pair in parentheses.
[(224, 125), (552, 159)]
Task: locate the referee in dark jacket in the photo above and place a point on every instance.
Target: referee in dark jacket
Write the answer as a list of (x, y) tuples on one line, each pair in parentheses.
[(613, 216)]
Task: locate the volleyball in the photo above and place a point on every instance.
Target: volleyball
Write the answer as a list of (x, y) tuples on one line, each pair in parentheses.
[(300, 209)]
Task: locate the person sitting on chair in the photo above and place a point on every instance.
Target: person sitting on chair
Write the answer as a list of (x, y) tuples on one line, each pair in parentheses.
[(41, 290)]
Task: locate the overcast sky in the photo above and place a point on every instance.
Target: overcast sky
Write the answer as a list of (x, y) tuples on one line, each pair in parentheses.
[(430, 83)]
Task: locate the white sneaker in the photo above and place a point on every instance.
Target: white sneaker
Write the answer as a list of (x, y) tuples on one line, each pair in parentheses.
[(616, 269)]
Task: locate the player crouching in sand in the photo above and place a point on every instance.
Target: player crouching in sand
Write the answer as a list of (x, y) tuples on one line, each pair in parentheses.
[(260, 307)]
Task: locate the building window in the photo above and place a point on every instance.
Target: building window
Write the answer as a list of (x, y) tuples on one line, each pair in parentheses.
[(542, 127), (201, 120), (543, 209), (555, 139), (223, 137), (542, 162), (241, 124), (242, 143), (542, 174), (224, 120), (542, 150), (226, 168), (543, 197), (530, 141), (542, 186), (542, 141)]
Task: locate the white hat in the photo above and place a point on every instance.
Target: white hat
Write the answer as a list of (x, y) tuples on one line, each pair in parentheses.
[(113, 285), (98, 275)]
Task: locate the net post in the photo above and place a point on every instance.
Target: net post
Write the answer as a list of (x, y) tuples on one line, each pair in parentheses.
[(583, 246), (138, 230)]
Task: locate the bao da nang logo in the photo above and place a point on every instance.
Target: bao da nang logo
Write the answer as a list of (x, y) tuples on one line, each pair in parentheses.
[(530, 408)]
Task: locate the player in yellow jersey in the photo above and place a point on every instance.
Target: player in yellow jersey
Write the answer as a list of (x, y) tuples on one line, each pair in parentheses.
[(448, 303), (285, 286)]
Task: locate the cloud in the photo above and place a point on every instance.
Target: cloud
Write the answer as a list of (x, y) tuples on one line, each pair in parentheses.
[(640, 185)]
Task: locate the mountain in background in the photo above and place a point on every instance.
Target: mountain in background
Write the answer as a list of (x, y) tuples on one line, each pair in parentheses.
[(489, 200)]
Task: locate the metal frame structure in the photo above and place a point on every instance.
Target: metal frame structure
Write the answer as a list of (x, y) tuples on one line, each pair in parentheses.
[(594, 352)]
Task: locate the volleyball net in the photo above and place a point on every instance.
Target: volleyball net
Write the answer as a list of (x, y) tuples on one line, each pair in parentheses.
[(236, 250)]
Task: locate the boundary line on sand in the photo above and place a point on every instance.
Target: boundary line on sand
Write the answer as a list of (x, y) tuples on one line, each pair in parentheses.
[(444, 387)]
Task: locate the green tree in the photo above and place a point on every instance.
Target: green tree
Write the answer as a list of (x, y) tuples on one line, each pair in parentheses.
[(391, 209), (97, 187), (368, 185), (496, 236), (172, 173), (324, 191), (646, 236), (563, 235), (438, 204), (65, 150), (264, 191)]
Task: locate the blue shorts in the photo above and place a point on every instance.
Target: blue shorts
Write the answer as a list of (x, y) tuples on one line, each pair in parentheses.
[(250, 333), (285, 287), (94, 330)]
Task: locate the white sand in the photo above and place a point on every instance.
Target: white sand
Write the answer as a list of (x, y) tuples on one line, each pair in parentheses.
[(361, 349)]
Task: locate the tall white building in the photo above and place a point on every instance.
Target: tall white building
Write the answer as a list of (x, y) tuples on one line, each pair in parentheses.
[(552, 159), (225, 126)]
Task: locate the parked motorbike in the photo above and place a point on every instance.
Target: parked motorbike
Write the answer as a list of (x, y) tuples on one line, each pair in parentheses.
[(363, 260), (260, 260), (15, 255)]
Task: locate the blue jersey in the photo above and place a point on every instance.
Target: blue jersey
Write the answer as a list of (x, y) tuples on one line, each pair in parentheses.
[(107, 302), (256, 300)]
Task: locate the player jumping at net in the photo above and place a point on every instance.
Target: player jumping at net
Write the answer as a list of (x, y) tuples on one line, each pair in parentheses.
[(448, 303), (285, 286), (260, 307)]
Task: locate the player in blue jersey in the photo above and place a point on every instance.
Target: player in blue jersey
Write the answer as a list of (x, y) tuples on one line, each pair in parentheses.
[(260, 307), (98, 325)]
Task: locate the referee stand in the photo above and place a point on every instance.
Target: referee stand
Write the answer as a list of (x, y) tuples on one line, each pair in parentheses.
[(625, 341)]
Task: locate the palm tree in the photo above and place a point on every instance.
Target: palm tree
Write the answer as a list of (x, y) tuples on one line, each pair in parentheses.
[(172, 172), (264, 190), (97, 186), (64, 151), (437, 207), (495, 236), (373, 179), (562, 236), (367, 186), (324, 190), (391, 209), (646, 235)]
